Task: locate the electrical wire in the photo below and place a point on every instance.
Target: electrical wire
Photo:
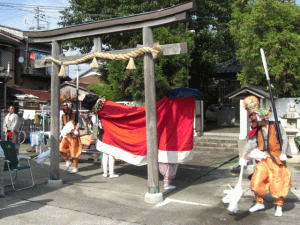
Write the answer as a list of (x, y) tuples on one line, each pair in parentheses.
[(30, 8), (37, 10), (15, 5)]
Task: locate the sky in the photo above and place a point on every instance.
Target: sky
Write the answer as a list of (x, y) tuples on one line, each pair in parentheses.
[(20, 13)]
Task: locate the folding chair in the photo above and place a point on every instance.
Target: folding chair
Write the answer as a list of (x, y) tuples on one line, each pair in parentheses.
[(13, 163)]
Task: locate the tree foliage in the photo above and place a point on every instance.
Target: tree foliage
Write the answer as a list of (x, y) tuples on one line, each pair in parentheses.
[(170, 71), (88, 11), (274, 26), (213, 40), (209, 44)]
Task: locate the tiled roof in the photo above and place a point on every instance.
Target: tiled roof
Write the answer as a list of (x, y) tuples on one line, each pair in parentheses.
[(42, 95), (6, 37), (72, 83), (246, 90), (13, 31), (230, 66)]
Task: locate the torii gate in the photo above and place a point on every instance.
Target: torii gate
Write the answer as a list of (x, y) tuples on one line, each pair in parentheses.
[(143, 21)]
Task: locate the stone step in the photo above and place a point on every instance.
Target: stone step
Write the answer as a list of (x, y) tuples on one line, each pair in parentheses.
[(217, 144), (216, 134), (221, 137), (214, 143), (214, 139), (215, 150)]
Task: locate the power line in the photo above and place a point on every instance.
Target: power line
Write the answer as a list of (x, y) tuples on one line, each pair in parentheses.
[(21, 9), (48, 7), (39, 12)]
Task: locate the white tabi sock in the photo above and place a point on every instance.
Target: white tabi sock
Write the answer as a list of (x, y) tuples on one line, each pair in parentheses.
[(257, 207)]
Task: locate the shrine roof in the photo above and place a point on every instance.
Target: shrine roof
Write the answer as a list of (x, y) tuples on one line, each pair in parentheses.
[(247, 90)]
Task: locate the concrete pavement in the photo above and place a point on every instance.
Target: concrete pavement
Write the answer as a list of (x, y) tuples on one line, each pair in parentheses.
[(89, 198)]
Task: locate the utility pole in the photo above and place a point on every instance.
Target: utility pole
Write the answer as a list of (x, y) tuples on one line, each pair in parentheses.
[(39, 16)]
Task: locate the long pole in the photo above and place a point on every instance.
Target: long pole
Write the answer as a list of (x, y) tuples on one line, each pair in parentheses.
[(77, 101), (271, 95), (5, 93), (5, 87)]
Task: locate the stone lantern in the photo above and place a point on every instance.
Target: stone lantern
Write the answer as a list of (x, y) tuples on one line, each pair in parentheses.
[(291, 129)]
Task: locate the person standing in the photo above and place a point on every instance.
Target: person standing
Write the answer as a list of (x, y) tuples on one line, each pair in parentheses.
[(94, 103), (108, 161), (11, 126), (70, 146), (168, 170), (264, 146)]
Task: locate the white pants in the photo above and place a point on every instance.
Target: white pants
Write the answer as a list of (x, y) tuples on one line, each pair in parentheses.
[(108, 162)]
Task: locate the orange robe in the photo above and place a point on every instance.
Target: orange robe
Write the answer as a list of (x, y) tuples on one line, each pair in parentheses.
[(271, 174), (70, 144)]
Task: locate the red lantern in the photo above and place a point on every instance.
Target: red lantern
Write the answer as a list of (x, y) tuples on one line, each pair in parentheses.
[(32, 56)]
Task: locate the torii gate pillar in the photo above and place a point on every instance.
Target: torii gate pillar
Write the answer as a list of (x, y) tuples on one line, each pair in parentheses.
[(54, 142), (153, 195)]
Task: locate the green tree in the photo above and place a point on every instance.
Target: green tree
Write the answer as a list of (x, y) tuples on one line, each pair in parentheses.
[(213, 44), (210, 44), (105, 90), (274, 26), (171, 72), (88, 11)]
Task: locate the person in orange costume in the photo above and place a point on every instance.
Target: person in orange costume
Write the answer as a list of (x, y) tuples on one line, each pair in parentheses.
[(263, 146), (70, 146)]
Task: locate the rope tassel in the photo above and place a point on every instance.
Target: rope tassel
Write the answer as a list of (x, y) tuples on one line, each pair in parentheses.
[(94, 64), (62, 71), (131, 65)]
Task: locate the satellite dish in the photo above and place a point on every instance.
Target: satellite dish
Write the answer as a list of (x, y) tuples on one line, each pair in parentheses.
[(21, 59)]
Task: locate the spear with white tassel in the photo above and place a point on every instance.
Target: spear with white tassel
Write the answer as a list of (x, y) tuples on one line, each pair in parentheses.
[(234, 195), (271, 95)]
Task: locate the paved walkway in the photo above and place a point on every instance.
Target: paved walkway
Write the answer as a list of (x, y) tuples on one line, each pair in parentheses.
[(89, 198)]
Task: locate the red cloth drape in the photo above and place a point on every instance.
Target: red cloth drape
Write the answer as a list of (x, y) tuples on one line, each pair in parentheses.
[(125, 126)]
